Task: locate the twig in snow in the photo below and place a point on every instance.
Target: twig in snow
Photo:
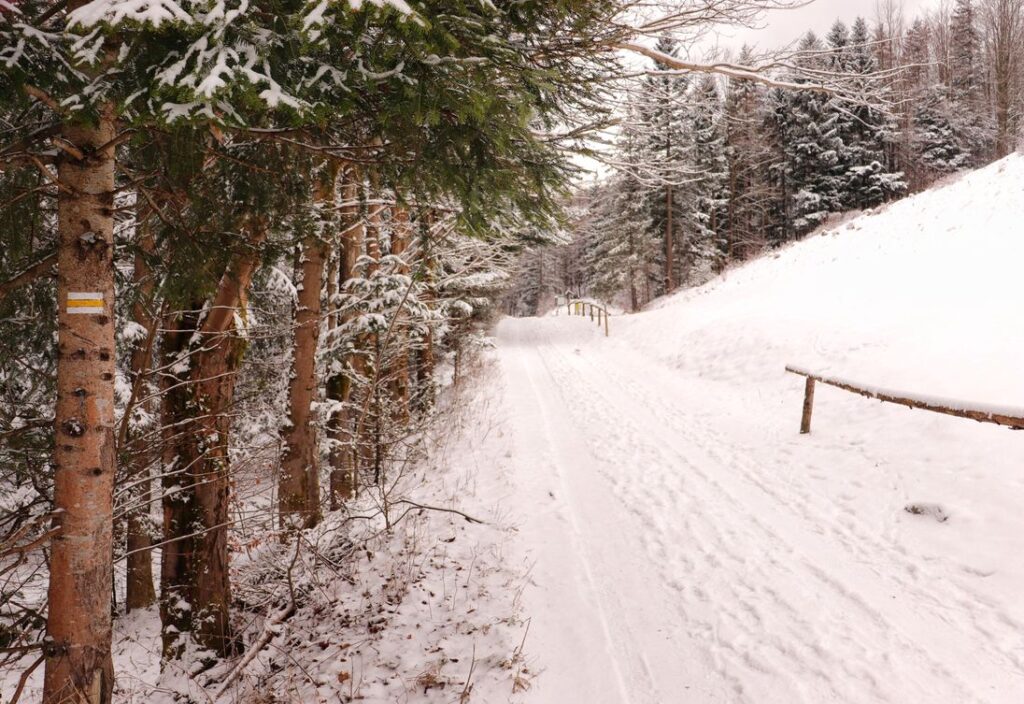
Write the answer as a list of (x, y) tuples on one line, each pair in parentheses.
[(468, 688), (438, 508)]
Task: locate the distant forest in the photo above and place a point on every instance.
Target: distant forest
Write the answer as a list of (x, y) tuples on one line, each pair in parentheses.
[(708, 170)]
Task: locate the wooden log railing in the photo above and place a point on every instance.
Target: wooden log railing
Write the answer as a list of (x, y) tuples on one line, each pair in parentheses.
[(584, 308), (1008, 417)]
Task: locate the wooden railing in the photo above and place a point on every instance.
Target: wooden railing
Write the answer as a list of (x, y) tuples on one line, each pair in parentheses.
[(1008, 417), (577, 307)]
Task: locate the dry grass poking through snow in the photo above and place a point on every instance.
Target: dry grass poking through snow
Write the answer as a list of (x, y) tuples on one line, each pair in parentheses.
[(426, 611)]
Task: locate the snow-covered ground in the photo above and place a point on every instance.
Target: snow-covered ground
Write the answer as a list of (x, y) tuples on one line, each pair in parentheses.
[(658, 531), (687, 544)]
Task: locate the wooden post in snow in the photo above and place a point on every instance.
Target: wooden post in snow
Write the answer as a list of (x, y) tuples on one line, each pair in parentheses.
[(805, 420)]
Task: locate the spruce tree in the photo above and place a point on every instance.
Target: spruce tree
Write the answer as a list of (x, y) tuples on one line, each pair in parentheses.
[(751, 153), (865, 132), (708, 207), (807, 130), (662, 112), (969, 117)]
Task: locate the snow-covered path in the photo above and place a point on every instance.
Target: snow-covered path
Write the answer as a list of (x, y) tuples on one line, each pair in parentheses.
[(690, 546)]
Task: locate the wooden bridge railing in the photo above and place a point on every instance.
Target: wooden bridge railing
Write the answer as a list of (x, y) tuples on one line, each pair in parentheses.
[(1009, 417), (578, 307)]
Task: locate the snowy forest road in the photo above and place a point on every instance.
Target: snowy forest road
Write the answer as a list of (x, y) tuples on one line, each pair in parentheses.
[(688, 547)]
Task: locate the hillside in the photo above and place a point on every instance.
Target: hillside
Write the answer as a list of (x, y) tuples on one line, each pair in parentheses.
[(922, 294), (683, 536)]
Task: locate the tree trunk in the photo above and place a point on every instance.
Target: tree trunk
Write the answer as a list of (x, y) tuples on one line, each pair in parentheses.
[(399, 373), (195, 584), (79, 669), (1005, 19), (670, 264), (368, 430), (339, 385), (140, 592), (425, 363), (299, 486)]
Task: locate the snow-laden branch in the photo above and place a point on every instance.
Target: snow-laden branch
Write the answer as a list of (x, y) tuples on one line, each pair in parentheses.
[(751, 73)]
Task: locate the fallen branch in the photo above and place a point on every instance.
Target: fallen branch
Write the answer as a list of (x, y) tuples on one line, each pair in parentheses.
[(268, 633), (457, 512)]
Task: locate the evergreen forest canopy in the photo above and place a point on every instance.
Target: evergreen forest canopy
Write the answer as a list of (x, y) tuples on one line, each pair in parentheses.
[(710, 169), (240, 239)]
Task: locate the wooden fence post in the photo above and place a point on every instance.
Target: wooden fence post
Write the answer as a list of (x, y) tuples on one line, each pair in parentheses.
[(606, 323), (805, 420)]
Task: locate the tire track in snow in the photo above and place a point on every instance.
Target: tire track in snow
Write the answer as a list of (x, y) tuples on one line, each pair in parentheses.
[(747, 595), (581, 553), (949, 601), (738, 614), (614, 578)]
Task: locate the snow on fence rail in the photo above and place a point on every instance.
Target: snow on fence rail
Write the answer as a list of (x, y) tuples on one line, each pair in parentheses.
[(1000, 415), (579, 307)]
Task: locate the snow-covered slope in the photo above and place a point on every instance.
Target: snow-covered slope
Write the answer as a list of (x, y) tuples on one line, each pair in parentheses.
[(688, 544), (926, 294)]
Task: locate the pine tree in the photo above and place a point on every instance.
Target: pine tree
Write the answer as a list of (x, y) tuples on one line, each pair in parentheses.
[(969, 115), (753, 184), (806, 128), (662, 111), (865, 133), (931, 145), (708, 209)]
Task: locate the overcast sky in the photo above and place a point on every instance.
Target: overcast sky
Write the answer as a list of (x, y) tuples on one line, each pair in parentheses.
[(782, 27)]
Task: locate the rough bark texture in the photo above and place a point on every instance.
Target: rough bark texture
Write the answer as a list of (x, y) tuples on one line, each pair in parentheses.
[(399, 373), (368, 424), (299, 485), (78, 662), (195, 585), (425, 363), (140, 592), (339, 385)]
